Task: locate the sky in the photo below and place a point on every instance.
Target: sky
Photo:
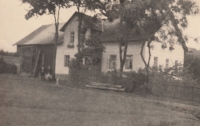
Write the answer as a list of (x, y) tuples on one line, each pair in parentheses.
[(14, 26)]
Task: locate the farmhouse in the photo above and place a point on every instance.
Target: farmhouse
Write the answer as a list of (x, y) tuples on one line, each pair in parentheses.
[(162, 54), (36, 48)]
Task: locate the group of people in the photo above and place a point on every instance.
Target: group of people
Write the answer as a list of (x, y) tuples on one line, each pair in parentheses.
[(46, 74)]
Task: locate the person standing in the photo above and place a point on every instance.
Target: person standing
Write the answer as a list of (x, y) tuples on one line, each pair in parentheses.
[(42, 73), (49, 73)]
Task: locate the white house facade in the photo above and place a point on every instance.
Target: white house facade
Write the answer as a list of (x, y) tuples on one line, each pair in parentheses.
[(67, 50), (111, 56), (43, 39), (160, 56), (167, 56)]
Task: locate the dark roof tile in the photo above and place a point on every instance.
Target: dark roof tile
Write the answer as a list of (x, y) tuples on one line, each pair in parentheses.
[(42, 35)]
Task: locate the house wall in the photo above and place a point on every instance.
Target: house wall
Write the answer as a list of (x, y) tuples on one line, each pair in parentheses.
[(165, 53), (135, 48), (113, 49), (63, 50)]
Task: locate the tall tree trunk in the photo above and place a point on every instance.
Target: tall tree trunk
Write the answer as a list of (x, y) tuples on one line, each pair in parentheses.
[(79, 35), (178, 32), (148, 62), (79, 40), (55, 51), (56, 19), (122, 53)]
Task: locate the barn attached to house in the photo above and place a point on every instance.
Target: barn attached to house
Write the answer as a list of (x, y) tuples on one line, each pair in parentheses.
[(36, 49)]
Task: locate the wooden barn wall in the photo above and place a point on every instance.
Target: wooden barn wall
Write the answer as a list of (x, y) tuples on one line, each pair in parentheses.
[(47, 51), (28, 53)]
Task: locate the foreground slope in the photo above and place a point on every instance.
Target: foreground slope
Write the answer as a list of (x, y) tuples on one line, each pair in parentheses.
[(30, 102)]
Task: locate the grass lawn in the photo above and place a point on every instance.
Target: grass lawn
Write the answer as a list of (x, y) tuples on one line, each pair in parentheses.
[(31, 102)]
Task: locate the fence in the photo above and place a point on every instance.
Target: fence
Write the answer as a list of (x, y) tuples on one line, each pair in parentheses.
[(176, 91)]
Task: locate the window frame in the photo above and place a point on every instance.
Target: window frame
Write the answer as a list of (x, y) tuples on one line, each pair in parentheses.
[(113, 67), (87, 61), (66, 60), (131, 59), (72, 37), (155, 62)]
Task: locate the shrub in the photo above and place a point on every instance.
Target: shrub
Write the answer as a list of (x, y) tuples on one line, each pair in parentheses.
[(135, 80), (2, 65), (130, 80), (183, 77), (192, 64), (11, 68), (78, 77), (7, 68)]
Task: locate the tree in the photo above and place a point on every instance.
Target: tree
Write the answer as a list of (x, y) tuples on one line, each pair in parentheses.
[(42, 7), (163, 20), (192, 65), (83, 24)]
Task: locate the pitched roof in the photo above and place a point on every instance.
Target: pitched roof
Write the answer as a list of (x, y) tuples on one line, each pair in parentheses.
[(96, 25), (109, 30), (42, 35), (112, 32)]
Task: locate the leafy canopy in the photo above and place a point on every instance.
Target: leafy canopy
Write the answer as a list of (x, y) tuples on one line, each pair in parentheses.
[(167, 18), (40, 7)]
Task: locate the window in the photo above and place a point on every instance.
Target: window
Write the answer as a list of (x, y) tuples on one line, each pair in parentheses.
[(155, 61), (87, 61), (129, 62), (67, 60), (71, 37), (96, 61), (112, 62), (167, 63)]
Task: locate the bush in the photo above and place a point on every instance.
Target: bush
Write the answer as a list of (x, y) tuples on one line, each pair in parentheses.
[(2, 65), (183, 77), (193, 66), (78, 77), (7, 68), (11, 68), (130, 80)]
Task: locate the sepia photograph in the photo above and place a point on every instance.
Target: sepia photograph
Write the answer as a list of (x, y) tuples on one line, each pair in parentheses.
[(99, 62)]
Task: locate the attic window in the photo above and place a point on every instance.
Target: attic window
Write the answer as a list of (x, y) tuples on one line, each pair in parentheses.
[(72, 37)]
